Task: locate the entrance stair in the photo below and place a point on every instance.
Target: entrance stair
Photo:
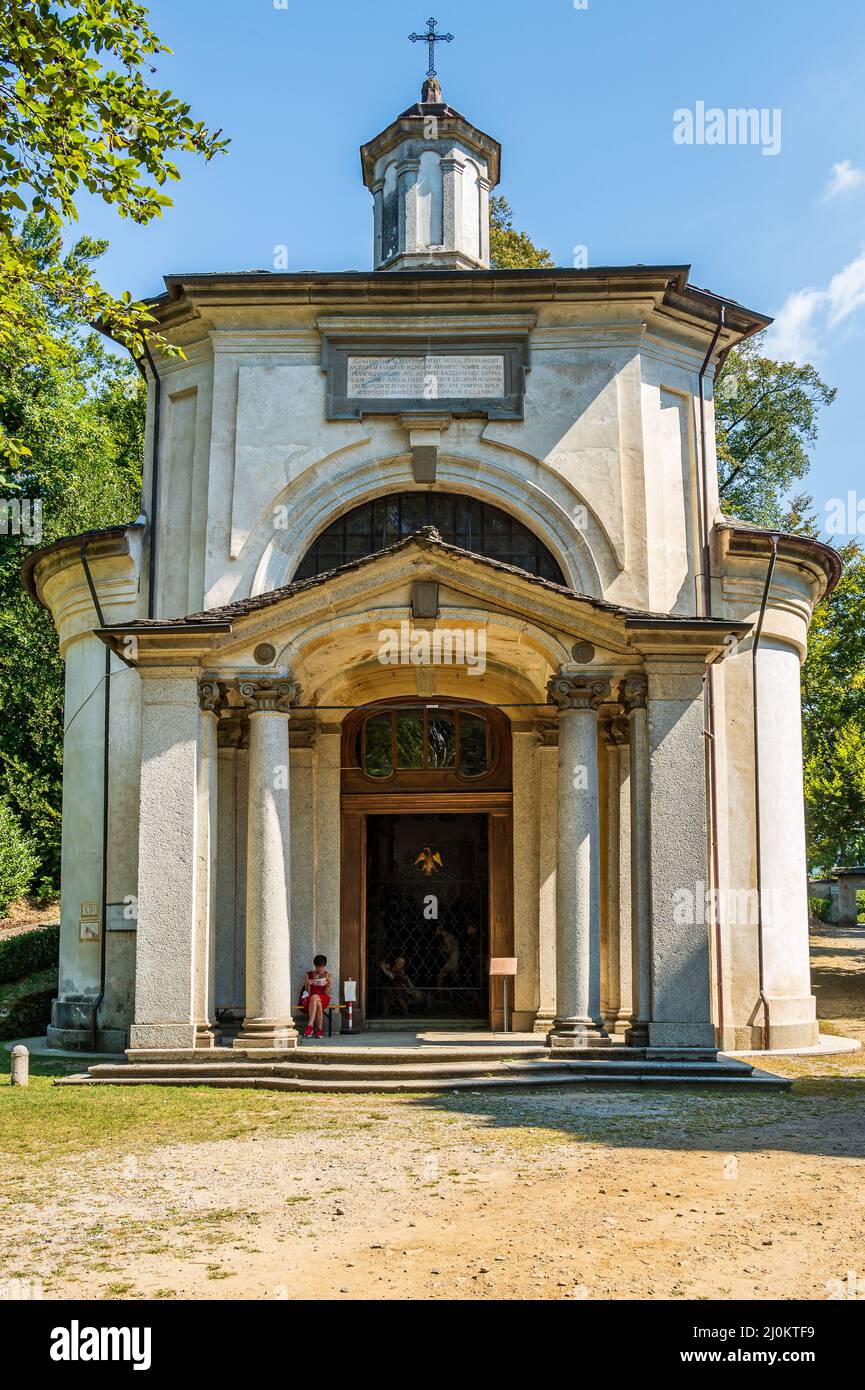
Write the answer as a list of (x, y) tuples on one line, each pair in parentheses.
[(378, 1066)]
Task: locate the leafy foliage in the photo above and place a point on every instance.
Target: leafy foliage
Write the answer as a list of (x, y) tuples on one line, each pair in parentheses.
[(510, 249), (766, 419), (77, 114), (833, 691), (82, 413), (28, 953), (17, 857)]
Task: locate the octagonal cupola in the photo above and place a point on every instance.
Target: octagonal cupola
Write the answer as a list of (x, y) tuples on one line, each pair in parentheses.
[(430, 174)]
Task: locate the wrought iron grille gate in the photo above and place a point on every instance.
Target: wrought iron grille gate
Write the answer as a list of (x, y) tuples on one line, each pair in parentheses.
[(427, 916)]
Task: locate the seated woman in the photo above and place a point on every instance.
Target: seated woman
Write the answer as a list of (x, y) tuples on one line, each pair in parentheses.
[(319, 982)]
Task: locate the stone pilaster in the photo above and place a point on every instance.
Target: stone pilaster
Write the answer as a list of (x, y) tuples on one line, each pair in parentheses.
[(578, 868), (681, 1002), (268, 1022), (165, 966)]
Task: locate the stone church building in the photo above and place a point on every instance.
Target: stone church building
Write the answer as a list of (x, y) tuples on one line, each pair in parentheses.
[(432, 646)]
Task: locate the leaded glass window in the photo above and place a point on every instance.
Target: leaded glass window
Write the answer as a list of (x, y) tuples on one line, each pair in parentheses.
[(461, 520)]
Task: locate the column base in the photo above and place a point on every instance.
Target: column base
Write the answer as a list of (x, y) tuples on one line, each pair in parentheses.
[(637, 1034), (623, 1025), (206, 1035), (682, 1033), (574, 1033), (544, 1022), (168, 1037), (278, 1034)]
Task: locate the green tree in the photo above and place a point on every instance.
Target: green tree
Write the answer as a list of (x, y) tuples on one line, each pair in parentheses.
[(82, 411), (766, 417), (833, 707), (18, 860), (510, 249), (77, 113)]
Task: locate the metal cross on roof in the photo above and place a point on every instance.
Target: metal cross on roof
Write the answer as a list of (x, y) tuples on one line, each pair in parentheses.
[(432, 38)]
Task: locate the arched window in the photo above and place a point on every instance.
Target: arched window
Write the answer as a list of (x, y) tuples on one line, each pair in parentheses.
[(464, 521), (441, 745)]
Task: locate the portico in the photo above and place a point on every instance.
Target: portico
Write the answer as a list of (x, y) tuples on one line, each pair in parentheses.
[(583, 675)]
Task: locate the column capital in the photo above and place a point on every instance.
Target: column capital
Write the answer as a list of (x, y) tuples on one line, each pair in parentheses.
[(269, 696), (210, 697), (232, 733), (633, 693), (617, 732), (580, 692)]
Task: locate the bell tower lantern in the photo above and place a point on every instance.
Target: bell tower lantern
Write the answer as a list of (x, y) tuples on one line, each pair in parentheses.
[(430, 174)]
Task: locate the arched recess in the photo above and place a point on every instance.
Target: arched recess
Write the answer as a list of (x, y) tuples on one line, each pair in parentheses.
[(337, 662), (461, 520), (538, 496)]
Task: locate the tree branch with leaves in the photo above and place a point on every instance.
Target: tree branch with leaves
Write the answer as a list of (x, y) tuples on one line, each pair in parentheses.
[(78, 113)]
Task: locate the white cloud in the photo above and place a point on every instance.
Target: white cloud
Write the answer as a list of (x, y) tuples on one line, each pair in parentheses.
[(844, 178), (792, 337), (847, 291), (807, 316)]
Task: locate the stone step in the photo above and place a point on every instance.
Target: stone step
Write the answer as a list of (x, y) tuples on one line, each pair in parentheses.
[(503, 1080), (371, 1056), (384, 1067)]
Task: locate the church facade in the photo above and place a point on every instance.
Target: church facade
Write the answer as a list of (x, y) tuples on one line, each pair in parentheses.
[(432, 646)]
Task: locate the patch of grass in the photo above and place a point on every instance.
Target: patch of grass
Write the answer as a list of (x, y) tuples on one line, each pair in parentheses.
[(117, 1290), (44, 1122)]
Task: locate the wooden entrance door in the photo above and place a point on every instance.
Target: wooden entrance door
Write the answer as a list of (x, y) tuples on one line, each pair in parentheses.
[(467, 820)]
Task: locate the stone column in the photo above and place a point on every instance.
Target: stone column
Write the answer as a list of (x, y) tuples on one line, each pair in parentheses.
[(228, 995), (618, 1004), (633, 694), (268, 1022), (578, 867), (624, 1022), (210, 701)]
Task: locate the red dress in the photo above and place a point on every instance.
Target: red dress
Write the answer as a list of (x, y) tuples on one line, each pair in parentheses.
[(317, 989)]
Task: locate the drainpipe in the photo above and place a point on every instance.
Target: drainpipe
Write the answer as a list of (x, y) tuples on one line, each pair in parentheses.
[(154, 477), (106, 705), (758, 632), (711, 748)]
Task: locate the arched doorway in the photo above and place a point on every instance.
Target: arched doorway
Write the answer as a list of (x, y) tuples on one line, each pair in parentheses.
[(426, 860)]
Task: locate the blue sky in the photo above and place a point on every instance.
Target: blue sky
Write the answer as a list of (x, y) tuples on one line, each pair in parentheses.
[(583, 101)]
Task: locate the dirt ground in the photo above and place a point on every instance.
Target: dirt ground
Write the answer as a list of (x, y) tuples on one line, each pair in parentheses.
[(576, 1193), (26, 915)]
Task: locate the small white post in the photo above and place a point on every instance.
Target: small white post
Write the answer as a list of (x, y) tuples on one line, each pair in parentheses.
[(20, 1066)]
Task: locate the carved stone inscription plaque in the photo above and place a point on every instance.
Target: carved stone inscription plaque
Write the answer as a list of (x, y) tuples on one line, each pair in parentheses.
[(371, 376), (433, 377)]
